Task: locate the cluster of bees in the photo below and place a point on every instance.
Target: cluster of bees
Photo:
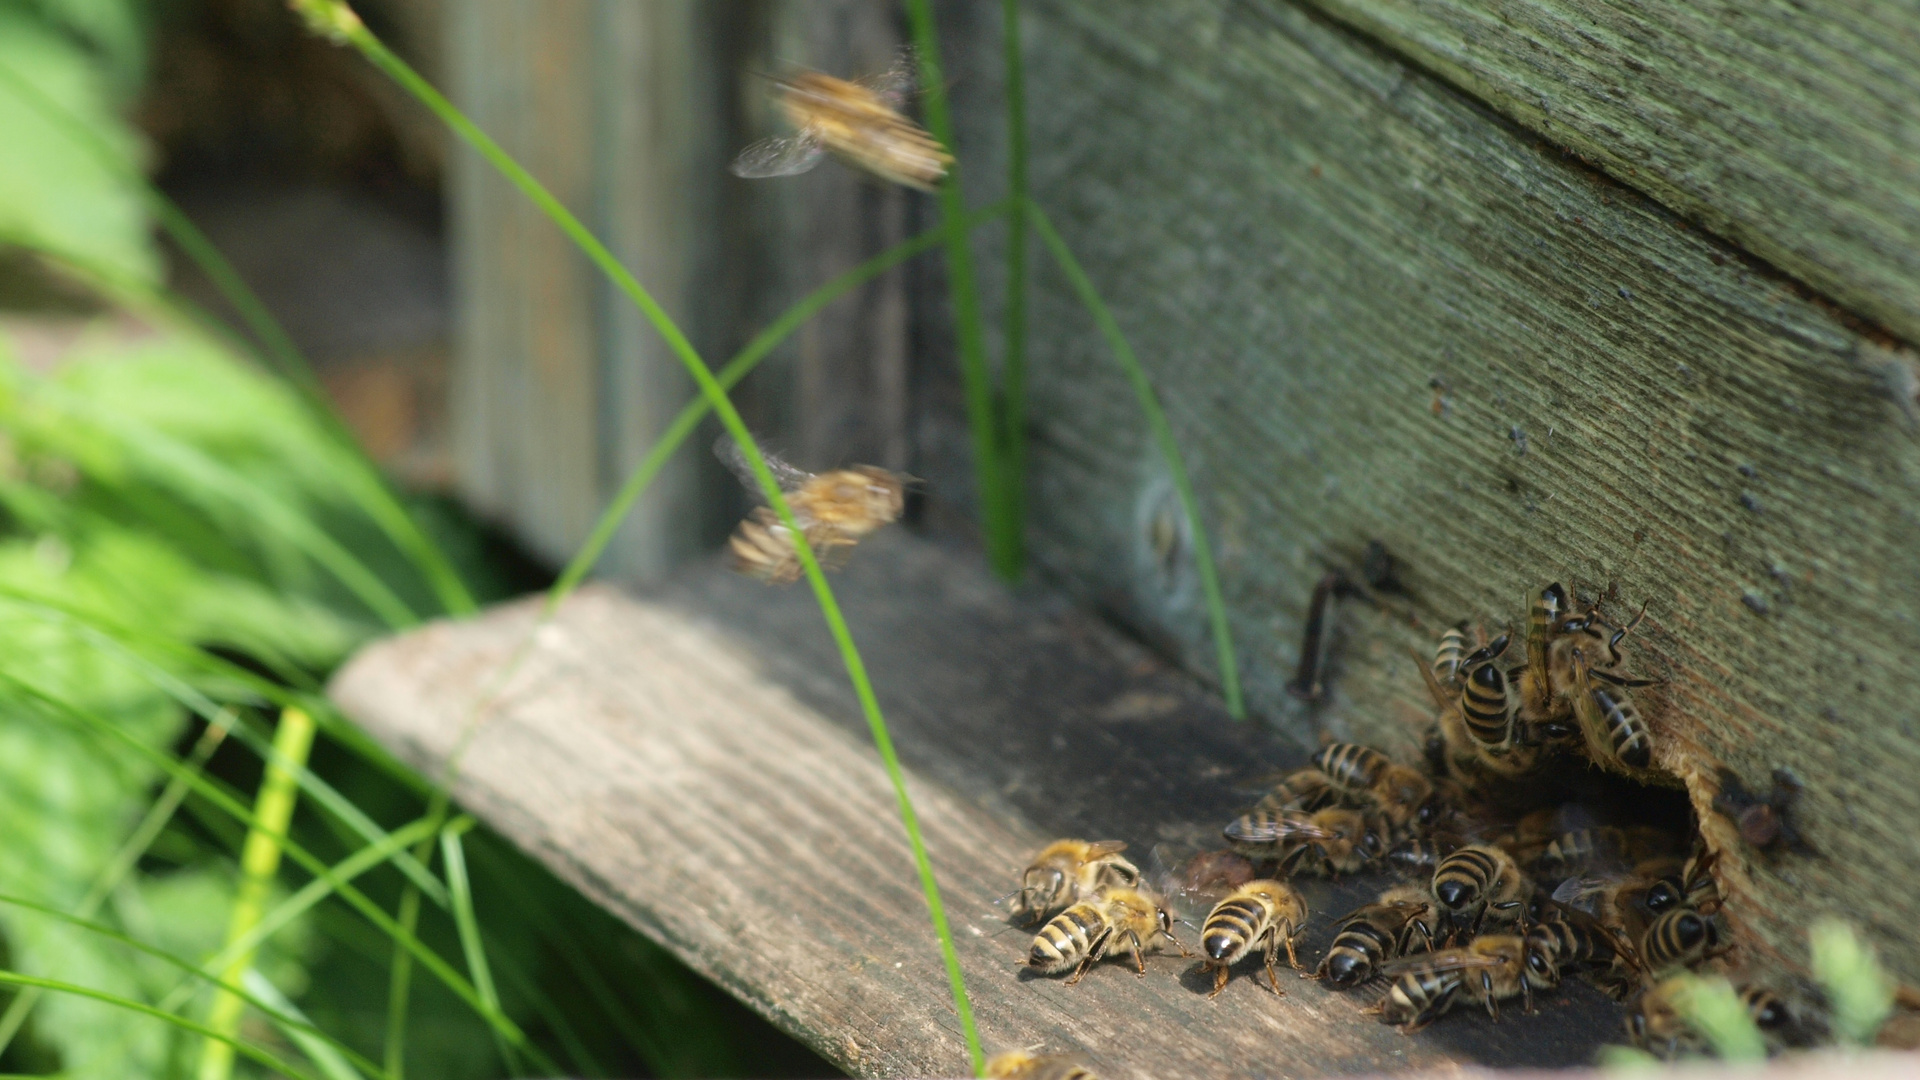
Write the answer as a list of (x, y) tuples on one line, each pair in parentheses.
[(1504, 891)]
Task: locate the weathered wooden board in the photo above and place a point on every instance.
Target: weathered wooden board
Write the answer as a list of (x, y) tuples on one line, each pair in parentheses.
[(691, 758), (1299, 231), (1792, 128), (631, 113)]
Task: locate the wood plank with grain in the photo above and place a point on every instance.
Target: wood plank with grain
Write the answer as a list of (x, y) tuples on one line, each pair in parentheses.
[(691, 758), (1376, 310), (1793, 129)]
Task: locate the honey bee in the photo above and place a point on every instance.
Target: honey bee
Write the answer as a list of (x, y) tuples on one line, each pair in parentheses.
[(1365, 776), (1306, 789), (1335, 841), (1658, 1024), (1616, 735), (834, 510), (1544, 618), (1021, 1065), (1681, 937), (1586, 849), (1478, 882), (1487, 700), (1447, 658), (1420, 855), (1261, 914), (1456, 750), (858, 122), (1118, 922), (1692, 887), (1490, 970), (1566, 939), (1069, 871), (1373, 934), (1625, 903)]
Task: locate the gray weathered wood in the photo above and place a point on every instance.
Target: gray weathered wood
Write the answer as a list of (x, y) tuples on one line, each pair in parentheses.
[(630, 113), (693, 760), (1299, 231), (1792, 128)]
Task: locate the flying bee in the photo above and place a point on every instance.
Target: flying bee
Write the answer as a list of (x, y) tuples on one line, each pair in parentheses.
[(1681, 937), (1371, 935), (1069, 871), (1021, 1065), (1616, 735), (1334, 842), (858, 122), (1262, 914), (1489, 970), (1306, 789), (1478, 882), (1117, 922), (834, 510)]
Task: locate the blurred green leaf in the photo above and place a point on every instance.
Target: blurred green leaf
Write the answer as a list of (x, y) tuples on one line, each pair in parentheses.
[(54, 192), (1859, 992)]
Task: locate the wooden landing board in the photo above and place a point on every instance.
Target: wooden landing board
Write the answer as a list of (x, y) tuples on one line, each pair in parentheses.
[(692, 759)]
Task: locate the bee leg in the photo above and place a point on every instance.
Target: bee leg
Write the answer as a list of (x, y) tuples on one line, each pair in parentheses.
[(1220, 975), (1292, 957), (1139, 955), (1273, 949), (1493, 1003), (1526, 996)]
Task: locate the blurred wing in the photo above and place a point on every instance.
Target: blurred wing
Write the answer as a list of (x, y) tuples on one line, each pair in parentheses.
[(895, 84), (1440, 962), (1263, 829), (730, 455), (782, 155), (1100, 848), (1581, 894)]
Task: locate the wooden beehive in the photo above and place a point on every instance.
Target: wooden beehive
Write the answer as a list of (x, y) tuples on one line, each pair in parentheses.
[(1620, 295)]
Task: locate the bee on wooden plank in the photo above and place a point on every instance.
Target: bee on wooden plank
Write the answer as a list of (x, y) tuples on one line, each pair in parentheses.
[(1117, 922), (1021, 1065), (857, 121), (1333, 842), (1491, 969), (1477, 883), (834, 510), (1260, 915), (1067, 872), (1367, 778), (1394, 925)]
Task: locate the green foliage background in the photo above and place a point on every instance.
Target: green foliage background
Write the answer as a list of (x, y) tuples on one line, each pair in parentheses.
[(178, 530)]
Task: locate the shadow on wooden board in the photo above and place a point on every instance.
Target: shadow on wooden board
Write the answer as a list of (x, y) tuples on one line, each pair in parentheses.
[(690, 757)]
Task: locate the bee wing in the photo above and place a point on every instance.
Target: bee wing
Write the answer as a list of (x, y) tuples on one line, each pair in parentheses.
[(730, 455), (1100, 848), (895, 84), (782, 155), (1259, 829), (1444, 960), (1581, 894)]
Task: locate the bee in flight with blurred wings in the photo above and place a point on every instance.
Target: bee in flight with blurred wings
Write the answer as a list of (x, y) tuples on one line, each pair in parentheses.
[(834, 510), (858, 122)]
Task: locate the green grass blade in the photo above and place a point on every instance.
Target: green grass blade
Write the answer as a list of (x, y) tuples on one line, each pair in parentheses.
[(252, 1052), (227, 804), (365, 477), (1162, 434), (1013, 359), (1860, 994), (291, 1020), (555, 1018), (1710, 1007), (331, 1063), (999, 504), (124, 860), (338, 15), (259, 861), (400, 983), (735, 369), (467, 926)]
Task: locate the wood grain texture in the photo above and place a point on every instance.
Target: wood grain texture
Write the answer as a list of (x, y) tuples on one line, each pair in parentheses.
[(1794, 129), (692, 759), (1299, 231)]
